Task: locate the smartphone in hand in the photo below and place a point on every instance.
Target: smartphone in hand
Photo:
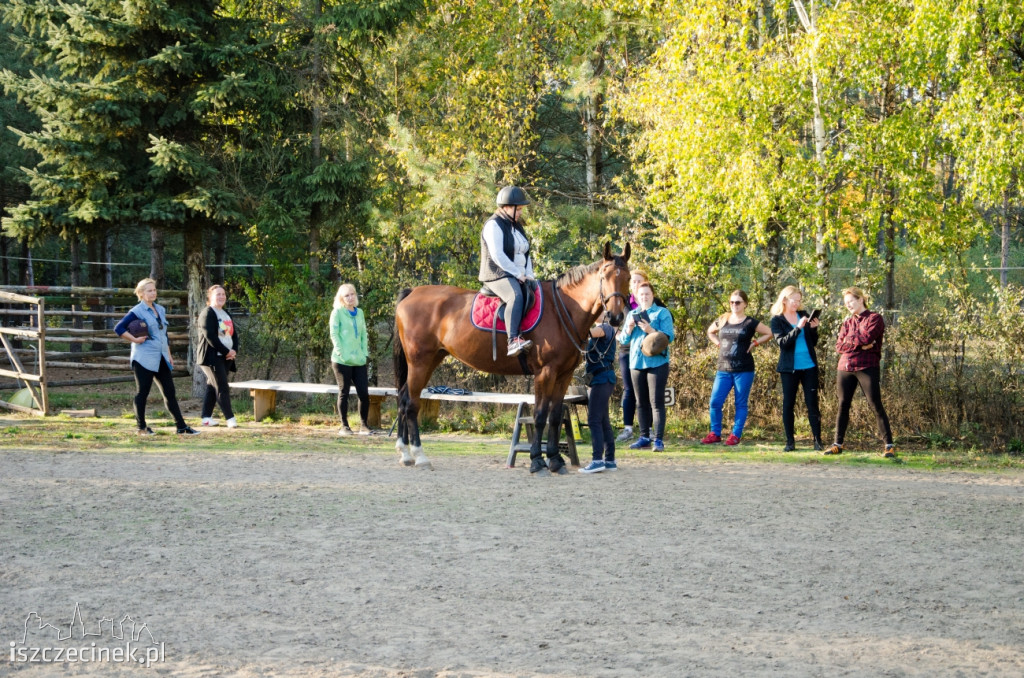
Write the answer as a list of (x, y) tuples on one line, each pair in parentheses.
[(815, 314), (642, 316)]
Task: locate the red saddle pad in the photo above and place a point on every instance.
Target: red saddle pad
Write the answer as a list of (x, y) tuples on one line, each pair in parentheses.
[(485, 307)]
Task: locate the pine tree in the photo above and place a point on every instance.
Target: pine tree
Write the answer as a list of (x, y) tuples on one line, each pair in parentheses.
[(134, 100)]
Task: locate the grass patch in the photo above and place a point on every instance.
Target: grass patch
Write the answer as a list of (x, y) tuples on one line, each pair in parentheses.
[(116, 436)]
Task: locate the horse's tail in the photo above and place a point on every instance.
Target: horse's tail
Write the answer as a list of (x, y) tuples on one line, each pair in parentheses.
[(401, 366)]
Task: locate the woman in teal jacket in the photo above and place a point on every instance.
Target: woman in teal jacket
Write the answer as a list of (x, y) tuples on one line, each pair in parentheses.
[(351, 350), (649, 372)]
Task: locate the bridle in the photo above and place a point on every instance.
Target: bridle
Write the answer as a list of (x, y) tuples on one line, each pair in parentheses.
[(561, 309)]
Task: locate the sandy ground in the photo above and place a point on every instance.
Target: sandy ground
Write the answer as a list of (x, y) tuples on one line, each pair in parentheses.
[(284, 563)]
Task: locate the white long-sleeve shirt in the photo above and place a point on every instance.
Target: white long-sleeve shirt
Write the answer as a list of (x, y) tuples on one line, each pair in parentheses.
[(522, 265)]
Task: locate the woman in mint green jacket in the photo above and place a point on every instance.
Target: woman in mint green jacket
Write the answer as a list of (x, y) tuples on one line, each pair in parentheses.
[(348, 335)]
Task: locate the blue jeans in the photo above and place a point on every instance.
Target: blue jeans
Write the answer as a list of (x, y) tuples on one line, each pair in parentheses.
[(725, 382)]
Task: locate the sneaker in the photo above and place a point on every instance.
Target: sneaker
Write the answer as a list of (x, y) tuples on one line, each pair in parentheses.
[(732, 440), (187, 431), (889, 452), (658, 445), (834, 448), (146, 432), (627, 434), (818, 446), (642, 443), (210, 421), (364, 430), (518, 345), (711, 438), (232, 423), (790, 447), (593, 467), (611, 466), (345, 431)]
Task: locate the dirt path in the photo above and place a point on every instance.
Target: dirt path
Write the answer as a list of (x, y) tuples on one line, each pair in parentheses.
[(326, 564)]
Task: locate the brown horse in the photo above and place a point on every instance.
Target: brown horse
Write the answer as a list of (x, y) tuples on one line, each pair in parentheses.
[(433, 321)]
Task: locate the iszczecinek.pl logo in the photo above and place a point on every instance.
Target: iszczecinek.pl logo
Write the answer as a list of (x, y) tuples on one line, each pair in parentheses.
[(105, 640)]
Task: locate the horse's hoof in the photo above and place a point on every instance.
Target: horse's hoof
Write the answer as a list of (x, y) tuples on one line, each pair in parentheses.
[(424, 465), (538, 467), (543, 473), (407, 462), (557, 465)]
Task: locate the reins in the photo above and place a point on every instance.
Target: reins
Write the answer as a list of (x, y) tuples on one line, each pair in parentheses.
[(560, 308)]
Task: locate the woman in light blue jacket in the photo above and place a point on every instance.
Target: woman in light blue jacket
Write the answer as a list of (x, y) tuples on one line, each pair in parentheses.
[(649, 372), (145, 326), (351, 350)]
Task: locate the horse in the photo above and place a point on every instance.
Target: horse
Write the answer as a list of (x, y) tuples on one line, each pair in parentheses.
[(433, 321)]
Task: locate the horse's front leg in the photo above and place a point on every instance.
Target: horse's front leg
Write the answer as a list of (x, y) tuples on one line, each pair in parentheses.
[(554, 427), (540, 413)]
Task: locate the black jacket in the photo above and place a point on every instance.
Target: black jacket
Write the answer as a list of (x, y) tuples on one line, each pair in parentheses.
[(786, 336), (210, 350)]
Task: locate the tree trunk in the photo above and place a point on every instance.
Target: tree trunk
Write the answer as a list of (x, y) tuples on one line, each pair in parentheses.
[(76, 281), (156, 255), (28, 275), (309, 371), (195, 266), (1004, 251), (4, 264), (220, 251), (593, 117)]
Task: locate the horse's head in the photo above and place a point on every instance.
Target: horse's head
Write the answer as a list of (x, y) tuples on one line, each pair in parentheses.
[(614, 276)]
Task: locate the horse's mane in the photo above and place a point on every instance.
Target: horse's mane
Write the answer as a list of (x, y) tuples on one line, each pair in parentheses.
[(575, 275)]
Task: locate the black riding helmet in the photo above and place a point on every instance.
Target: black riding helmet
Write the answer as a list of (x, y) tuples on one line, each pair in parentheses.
[(512, 195)]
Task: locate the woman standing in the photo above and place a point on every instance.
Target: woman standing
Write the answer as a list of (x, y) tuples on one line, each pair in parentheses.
[(736, 336), (218, 346), (349, 356), (628, 396), (797, 335), (145, 326), (648, 371), (860, 355), (600, 357)]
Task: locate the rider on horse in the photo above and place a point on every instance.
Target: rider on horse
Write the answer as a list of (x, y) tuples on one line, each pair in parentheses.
[(505, 263)]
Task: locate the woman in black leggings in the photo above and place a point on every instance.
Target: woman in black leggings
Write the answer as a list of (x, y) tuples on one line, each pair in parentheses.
[(860, 353)]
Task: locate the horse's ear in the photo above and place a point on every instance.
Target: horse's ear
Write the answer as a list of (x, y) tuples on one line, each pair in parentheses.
[(608, 250), (625, 253)]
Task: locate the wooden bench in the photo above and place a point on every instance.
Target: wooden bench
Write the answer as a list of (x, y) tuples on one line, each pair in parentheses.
[(264, 402)]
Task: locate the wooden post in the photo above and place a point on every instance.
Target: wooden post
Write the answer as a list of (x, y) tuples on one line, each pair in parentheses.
[(429, 410), (42, 357), (373, 418), (264, 403)]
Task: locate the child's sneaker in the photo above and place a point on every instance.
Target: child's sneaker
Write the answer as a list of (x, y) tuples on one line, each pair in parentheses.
[(595, 466), (232, 423), (732, 440), (345, 431), (711, 438), (642, 443), (889, 452), (627, 434), (187, 431), (834, 448), (659, 446), (611, 466), (210, 421)]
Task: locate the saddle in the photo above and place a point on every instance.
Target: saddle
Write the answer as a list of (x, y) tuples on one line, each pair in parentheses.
[(488, 311)]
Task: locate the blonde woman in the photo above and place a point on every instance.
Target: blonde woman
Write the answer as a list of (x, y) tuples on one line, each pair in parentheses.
[(145, 326), (797, 335), (216, 353), (349, 356), (859, 346)]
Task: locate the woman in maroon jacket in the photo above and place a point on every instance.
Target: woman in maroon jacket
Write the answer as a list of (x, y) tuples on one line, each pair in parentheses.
[(860, 352)]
